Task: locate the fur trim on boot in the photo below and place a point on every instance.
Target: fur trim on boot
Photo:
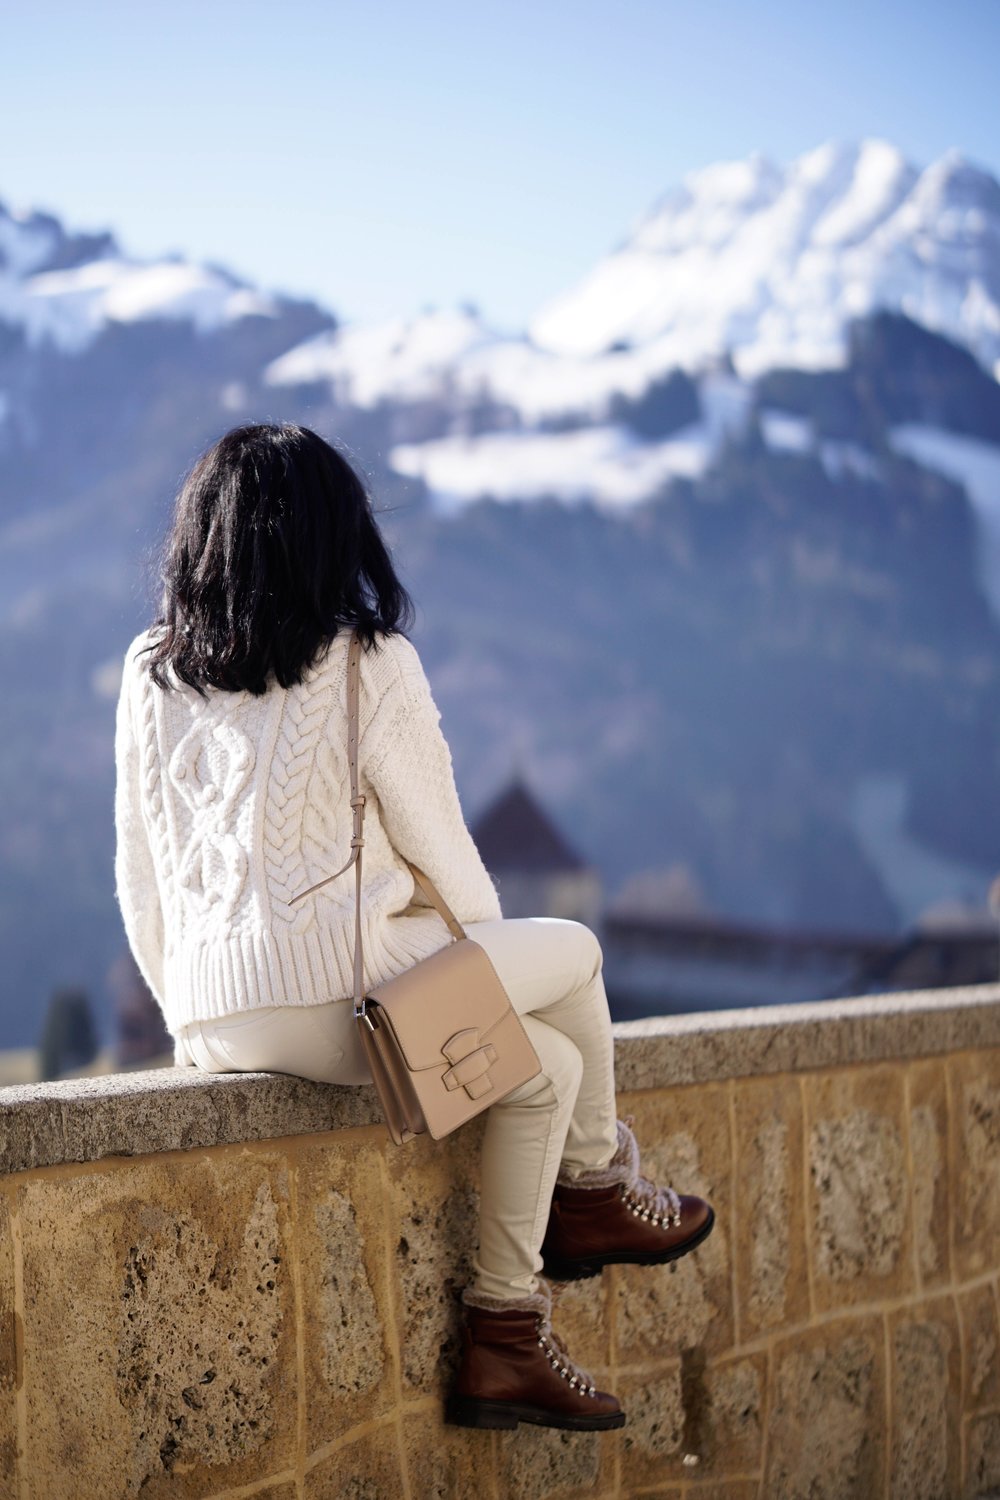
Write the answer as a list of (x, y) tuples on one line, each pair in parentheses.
[(533, 1302), (623, 1166)]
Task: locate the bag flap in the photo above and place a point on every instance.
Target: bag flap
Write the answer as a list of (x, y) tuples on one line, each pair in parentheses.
[(456, 990)]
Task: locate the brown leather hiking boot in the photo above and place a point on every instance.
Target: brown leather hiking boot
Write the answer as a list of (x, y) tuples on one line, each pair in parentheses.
[(514, 1369), (616, 1216)]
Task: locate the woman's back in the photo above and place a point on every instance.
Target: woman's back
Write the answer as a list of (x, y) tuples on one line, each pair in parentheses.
[(233, 798), (246, 802)]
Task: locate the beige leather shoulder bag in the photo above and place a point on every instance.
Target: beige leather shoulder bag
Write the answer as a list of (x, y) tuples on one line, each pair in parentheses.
[(442, 1039)]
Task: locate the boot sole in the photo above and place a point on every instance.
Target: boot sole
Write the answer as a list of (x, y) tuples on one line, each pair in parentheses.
[(470, 1411), (593, 1265)]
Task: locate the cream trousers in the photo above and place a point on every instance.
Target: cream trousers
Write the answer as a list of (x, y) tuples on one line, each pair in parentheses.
[(552, 969)]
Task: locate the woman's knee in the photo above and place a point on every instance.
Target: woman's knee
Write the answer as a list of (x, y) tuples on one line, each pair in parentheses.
[(581, 948), (588, 947), (540, 960)]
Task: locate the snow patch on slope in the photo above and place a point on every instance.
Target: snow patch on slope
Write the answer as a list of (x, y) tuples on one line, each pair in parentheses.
[(456, 359), (786, 431), (976, 465), (916, 878), (396, 360), (603, 465)]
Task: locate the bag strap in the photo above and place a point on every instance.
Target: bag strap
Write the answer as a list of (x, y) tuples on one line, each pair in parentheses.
[(357, 837)]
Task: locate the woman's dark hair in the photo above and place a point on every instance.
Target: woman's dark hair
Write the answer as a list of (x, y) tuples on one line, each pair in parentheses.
[(274, 546)]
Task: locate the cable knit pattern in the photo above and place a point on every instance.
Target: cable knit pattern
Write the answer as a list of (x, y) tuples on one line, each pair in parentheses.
[(227, 806), (292, 764)]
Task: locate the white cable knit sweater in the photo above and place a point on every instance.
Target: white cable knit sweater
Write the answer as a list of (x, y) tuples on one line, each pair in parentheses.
[(226, 806)]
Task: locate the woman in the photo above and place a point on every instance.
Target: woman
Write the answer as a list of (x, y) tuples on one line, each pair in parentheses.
[(233, 795)]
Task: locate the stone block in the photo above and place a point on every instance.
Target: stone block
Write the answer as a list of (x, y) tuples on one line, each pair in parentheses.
[(348, 1317), (982, 1460), (859, 1223), (826, 1438), (652, 1441), (8, 1358), (542, 1463), (444, 1462), (925, 1422), (368, 1469), (772, 1284), (165, 1286), (684, 1141), (981, 1348), (580, 1316), (692, 1419), (975, 1160), (930, 1185), (31, 1130), (433, 1207), (729, 1435)]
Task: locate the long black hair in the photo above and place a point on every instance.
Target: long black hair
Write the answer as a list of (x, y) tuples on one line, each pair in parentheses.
[(274, 545)]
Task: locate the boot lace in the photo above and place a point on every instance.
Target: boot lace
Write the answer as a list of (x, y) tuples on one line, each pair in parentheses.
[(650, 1202), (559, 1358)]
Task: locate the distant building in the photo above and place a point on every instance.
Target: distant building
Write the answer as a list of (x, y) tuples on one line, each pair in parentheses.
[(670, 965), (537, 871), (934, 955)]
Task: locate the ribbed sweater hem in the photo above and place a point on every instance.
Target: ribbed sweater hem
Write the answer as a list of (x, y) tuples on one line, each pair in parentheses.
[(211, 979)]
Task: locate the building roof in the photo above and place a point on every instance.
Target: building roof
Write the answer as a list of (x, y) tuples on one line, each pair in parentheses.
[(515, 833), (932, 960)]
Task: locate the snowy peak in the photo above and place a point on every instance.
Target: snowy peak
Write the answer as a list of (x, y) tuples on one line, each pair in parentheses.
[(833, 194), (855, 188), (708, 205), (64, 288), (771, 264), (954, 183), (34, 242), (951, 220)]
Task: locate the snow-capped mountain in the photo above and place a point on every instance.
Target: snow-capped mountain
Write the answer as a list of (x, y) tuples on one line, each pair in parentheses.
[(743, 268), (767, 266), (770, 264), (66, 288)]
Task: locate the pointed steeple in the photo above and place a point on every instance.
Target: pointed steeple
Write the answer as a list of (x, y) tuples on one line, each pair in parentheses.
[(515, 833)]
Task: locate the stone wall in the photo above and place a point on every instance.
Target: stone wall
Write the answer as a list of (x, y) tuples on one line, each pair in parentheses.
[(238, 1286)]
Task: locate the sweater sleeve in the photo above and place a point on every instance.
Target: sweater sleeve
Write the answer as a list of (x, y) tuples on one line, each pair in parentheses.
[(407, 761), (135, 877)]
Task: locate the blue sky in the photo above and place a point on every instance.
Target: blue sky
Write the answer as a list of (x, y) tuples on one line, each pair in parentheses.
[(384, 157)]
